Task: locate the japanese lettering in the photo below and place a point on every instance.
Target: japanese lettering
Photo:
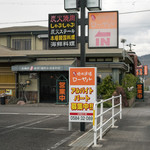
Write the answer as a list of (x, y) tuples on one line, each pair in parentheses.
[(62, 30), (62, 91), (140, 91)]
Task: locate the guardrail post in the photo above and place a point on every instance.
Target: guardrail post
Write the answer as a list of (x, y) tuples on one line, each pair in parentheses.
[(95, 125), (70, 126), (101, 120), (113, 112), (120, 106)]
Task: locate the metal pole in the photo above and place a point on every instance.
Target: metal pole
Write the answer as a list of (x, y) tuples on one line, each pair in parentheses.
[(120, 106), (113, 112), (82, 45), (101, 121), (95, 125)]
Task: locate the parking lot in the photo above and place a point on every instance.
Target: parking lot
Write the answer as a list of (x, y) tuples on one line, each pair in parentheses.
[(35, 128)]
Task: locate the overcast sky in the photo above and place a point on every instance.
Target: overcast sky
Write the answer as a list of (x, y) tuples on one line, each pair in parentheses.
[(134, 20)]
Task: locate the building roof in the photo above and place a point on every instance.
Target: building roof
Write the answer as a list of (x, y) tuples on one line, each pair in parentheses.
[(67, 53), (57, 65), (23, 29)]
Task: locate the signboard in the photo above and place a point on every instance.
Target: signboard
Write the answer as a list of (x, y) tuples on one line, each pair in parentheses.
[(63, 30), (140, 91), (62, 90), (145, 70), (8, 92), (82, 94), (103, 29), (139, 70)]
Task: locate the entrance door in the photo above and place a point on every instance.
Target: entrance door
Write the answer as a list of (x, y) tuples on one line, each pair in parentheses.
[(48, 86)]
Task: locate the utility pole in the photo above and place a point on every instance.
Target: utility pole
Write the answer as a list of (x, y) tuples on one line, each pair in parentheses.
[(90, 4), (82, 45)]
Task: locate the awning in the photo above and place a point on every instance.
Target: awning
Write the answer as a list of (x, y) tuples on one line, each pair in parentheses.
[(56, 65)]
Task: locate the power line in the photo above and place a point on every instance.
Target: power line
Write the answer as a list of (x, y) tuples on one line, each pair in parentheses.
[(134, 12), (123, 13), (24, 22)]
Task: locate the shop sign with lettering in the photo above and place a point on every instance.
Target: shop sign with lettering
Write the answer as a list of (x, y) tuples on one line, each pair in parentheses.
[(62, 92), (140, 91), (63, 30), (82, 93), (103, 29)]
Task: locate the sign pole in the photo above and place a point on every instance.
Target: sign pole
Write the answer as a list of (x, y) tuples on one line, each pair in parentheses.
[(82, 45)]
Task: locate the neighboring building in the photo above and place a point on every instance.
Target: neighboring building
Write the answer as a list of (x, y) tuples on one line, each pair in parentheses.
[(25, 58)]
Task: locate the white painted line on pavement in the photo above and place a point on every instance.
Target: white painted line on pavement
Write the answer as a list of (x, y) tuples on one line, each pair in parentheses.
[(46, 129), (4, 113), (32, 114), (25, 122)]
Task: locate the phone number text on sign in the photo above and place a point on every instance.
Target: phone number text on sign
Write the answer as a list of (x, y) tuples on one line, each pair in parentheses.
[(78, 118)]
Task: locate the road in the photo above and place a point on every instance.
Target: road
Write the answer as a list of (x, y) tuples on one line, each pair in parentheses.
[(45, 127), (35, 127)]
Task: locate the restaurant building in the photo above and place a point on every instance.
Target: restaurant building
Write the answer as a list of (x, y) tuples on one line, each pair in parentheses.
[(30, 70)]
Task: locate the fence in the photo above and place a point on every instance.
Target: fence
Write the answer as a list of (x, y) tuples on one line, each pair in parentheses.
[(99, 116)]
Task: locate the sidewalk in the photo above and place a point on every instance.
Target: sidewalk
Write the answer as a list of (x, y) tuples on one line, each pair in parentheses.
[(133, 131)]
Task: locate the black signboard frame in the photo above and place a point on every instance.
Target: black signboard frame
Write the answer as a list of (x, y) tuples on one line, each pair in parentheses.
[(63, 31)]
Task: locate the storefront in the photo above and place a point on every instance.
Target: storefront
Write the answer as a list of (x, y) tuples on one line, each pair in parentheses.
[(37, 80)]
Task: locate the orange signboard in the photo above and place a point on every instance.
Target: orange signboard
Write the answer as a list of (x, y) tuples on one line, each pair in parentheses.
[(103, 29), (140, 92), (82, 93), (82, 76), (145, 70), (104, 20)]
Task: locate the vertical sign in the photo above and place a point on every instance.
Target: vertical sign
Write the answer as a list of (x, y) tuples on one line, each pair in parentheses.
[(103, 29), (82, 93), (139, 70), (63, 30), (62, 92), (145, 70), (140, 91)]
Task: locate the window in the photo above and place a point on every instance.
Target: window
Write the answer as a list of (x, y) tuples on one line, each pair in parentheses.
[(100, 59), (45, 44), (21, 44)]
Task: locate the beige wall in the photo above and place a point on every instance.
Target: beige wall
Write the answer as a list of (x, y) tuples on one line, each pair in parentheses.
[(3, 41), (34, 83), (115, 59)]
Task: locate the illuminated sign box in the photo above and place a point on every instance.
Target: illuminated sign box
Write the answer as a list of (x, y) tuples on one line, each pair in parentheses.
[(94, 4), (63, 30), (140, 91), (103, 29), (71, 5)]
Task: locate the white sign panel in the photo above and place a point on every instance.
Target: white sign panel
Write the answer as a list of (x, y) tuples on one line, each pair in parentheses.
[(82, 94), (103, 29)]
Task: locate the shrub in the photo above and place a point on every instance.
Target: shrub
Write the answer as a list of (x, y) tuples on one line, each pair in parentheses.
[(106, 88), (129, 85)]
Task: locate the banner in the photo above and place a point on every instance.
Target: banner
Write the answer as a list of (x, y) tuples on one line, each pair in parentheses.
[(82, 94)]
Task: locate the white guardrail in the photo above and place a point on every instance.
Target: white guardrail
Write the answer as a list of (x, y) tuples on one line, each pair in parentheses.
[(100, 115)]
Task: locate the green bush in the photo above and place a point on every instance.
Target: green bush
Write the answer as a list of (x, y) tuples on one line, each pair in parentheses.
[(106, 88), (129, 81)]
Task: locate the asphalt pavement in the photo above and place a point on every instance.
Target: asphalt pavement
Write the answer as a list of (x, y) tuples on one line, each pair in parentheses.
[(35, 127), (133, 132), (45, 127)]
